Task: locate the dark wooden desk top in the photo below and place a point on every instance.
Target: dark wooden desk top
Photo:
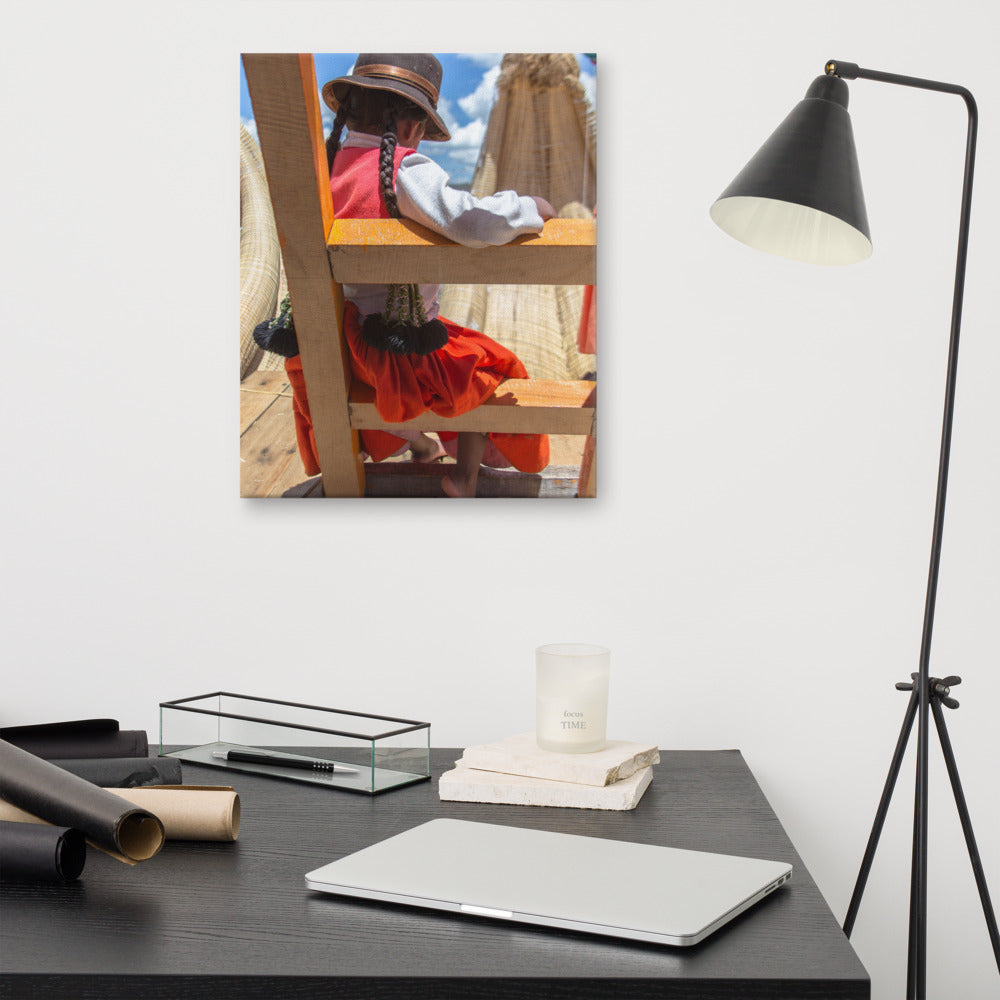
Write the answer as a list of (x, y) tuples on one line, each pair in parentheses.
[(235, 920)]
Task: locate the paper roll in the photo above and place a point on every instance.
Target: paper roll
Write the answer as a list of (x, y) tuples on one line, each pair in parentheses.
[(79, 738), (41, 853), (55, 796), (190, 812), (125, 772), (187, 812)]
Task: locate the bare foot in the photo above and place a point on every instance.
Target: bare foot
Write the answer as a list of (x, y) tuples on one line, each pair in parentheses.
[(494, 457), (427, 449), (461, 482), (455, 487)]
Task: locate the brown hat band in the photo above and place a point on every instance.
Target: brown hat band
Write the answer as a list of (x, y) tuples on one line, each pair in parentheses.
[(384, 70)]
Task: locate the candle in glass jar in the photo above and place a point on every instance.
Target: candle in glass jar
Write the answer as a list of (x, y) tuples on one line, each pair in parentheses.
[(571, 708)]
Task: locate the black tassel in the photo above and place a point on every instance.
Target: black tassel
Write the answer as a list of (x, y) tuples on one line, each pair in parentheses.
[(401, 338), (278, 340), (278, 335)]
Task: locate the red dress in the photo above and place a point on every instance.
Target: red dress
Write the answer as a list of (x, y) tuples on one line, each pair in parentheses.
[(452, 380)]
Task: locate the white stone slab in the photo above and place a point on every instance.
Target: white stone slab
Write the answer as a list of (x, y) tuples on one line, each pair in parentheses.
[(467, 784), (522, 755)]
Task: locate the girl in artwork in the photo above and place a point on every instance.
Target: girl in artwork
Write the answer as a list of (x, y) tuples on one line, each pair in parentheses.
[(416, 360)]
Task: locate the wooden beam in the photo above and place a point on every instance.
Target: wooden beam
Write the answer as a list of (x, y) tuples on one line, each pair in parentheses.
[(412, 479), (286, 110), (519, 406), (388, 251)]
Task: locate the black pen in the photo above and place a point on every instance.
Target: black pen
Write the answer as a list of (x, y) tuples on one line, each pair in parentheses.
[(275, 760)]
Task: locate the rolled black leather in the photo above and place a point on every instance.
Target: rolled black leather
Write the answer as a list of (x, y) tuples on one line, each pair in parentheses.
[(78, 738), (63, 799), (125, 772), (36, 853)]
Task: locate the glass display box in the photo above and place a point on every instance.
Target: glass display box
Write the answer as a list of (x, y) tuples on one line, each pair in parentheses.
[(329, 747)]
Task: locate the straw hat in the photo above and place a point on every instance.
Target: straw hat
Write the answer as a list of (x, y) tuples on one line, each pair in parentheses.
[(413, 75)]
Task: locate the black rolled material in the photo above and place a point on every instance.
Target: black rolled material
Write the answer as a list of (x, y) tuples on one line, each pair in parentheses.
[(78, 738), (125, 772), (109, 822), (34, 852)]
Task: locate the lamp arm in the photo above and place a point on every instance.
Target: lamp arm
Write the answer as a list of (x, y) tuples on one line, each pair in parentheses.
[(852, 71), (918, 899)]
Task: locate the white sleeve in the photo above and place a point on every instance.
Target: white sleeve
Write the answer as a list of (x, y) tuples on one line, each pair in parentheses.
[(423, 195)]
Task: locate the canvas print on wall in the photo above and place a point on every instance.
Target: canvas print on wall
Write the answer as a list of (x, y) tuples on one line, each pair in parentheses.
[(418, 267)]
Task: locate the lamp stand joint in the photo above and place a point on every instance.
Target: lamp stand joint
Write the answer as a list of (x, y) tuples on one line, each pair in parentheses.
[(937, 687)]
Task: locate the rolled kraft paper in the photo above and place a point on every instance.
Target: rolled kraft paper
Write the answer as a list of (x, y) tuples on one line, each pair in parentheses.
[(125, 772), (55, 796), (187, 812), (41, 853), (190, 812), (79, 738)]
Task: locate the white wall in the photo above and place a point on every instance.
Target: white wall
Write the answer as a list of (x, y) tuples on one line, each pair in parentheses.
[(756, 559)]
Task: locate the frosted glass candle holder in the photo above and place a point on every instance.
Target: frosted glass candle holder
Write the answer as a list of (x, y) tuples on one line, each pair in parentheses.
[(571, 709)]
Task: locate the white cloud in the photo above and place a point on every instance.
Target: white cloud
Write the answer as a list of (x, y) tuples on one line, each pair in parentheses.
[(251, 126), (465, 158), (468, 136), (478, 103), (460, 156)]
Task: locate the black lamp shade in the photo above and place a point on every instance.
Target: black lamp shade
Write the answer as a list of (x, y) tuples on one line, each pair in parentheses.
[(800, 196)]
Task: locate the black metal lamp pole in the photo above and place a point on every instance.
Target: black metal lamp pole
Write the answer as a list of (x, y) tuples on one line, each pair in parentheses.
[(800, 197), (929, 692)]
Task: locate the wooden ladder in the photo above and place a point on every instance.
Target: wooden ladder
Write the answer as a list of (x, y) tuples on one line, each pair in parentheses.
[(320, 253)]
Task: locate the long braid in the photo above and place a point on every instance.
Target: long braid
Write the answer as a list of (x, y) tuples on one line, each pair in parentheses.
[(387, 155), (333, 142), (402, 327)]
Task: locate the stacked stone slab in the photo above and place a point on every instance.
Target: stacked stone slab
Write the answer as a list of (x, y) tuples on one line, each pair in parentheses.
[(515, 771)]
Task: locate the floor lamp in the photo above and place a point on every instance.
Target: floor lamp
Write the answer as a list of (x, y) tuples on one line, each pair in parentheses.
[(800, 197)]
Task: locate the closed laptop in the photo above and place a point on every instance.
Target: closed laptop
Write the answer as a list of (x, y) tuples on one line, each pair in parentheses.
[(639, 891)]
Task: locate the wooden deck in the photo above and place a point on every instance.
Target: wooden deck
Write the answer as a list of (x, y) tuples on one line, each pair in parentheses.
[(270, 464)]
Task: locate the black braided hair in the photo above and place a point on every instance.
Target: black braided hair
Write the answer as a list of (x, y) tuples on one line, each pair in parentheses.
[(386, 156), (333, 142), (403, 327)]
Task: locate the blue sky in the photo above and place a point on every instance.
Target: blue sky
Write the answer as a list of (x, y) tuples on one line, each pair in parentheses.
[(467, 93)]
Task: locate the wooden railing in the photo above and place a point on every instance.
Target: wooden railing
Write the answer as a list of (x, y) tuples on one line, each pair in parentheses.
[(382, 251), (321, 253)]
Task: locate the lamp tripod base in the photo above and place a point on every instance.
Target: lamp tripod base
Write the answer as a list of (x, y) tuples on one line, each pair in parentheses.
[(938, 694)]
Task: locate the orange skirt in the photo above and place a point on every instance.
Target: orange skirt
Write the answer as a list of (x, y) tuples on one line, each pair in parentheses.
[(448, 382)]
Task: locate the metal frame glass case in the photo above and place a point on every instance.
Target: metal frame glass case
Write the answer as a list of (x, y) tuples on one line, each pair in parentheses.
[(330, 747)]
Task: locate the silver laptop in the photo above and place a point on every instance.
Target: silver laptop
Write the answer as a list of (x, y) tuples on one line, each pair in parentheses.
[(636, 891)]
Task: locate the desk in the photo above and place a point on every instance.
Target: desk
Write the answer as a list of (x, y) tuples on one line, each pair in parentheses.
[(223, 921)]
